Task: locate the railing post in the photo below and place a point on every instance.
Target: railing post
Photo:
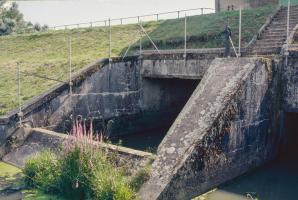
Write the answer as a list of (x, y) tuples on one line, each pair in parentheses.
[(202, 11), (185, 36), (288, 32), (178, 14), (240, 29), (91, 24), (140, 43), (20, 113), (110, 41), (121, 21), (156, 17), (70, 67), (138, 19)]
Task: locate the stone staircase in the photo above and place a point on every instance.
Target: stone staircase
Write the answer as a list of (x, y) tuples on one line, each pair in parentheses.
[(274, 36)]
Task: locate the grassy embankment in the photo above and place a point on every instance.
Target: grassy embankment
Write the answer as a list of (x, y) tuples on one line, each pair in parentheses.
[(47, 53), (11, 176)]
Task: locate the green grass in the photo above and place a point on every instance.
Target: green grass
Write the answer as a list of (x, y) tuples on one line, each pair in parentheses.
[(38, 195), (13, 176), (285, 2), (47, 53), (9, 176), (207, 31)]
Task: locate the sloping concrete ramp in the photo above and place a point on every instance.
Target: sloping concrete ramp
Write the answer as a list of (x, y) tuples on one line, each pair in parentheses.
[(221, 133)]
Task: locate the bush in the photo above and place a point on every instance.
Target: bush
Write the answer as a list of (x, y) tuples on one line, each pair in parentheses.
[(82, 172), (141, 177), (43, 172)]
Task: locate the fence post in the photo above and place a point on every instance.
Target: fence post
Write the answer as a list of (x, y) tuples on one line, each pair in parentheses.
[(20, 114), (240, 29), (70, 67), (178, 14), (288, 31), (156, 17), (140, 43), (138, 19), (110, 41), (202, 11), (185, 36)]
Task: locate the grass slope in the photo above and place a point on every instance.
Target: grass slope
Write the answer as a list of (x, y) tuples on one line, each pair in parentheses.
[(47, 53), (206, 31)]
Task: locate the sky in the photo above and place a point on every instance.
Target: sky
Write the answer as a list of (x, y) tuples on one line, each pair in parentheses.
[(54, 13)]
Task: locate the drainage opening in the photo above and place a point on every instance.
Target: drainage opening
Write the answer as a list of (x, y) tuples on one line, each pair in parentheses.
[(163, 100), (290, 144)]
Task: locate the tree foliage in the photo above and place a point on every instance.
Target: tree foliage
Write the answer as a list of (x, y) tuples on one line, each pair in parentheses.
[(12, 20)]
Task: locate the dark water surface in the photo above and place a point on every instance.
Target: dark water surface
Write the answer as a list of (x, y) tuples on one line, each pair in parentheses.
[(277, 180), (144, 141)]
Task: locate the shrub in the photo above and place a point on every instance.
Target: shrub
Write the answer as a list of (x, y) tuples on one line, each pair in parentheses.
[(43, 172), (141, 177), (82, 171)]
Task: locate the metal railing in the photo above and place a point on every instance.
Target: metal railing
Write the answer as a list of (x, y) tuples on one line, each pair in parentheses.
[(130, 20)]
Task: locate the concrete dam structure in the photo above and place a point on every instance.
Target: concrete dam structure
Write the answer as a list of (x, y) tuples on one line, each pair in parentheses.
[(225, 116)]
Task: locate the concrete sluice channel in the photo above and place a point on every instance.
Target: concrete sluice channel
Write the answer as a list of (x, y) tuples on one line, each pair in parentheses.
[(276, 180), (212, 121)]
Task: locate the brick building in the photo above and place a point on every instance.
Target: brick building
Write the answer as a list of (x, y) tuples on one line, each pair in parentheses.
[(224, 5)]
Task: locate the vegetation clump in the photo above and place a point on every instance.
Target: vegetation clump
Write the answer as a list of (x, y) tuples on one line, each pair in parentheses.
[(83, 171)]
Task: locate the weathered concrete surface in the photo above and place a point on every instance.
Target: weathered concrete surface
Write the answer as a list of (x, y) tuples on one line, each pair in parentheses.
[(174, 64), (290, 75), (41, 139), (119, 93), (223, 131)]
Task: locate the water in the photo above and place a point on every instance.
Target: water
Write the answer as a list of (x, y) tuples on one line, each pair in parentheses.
[(277, 180), (144, 141)]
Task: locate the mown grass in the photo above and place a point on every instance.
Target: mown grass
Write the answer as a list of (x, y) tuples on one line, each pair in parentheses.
[(47, 53), (207, 31)]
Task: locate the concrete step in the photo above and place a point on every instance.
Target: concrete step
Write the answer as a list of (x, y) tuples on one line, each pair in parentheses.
[(270, 40), (274, 37), (278, 29), (282, 24), (266, 50), (285, 18), (267, 46), (270, 33)]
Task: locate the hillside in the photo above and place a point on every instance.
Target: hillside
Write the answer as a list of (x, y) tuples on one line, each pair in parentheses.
[(47, 53)]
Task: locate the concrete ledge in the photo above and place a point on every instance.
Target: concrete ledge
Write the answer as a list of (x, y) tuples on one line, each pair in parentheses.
[(41, 139)]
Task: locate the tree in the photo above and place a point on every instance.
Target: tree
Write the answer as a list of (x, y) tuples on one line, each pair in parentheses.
[(12, 20)]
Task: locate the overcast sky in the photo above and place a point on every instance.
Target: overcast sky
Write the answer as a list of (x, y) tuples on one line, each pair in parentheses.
[(60, 12)]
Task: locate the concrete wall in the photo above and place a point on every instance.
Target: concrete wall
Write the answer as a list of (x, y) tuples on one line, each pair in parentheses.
[(290, 75), (120, 92), (38, 140), (226, 128), (224, 5)]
